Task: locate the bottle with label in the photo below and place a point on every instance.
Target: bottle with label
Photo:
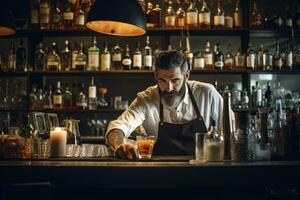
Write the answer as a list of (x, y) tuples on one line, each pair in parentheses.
[(57, 97), (68, 14), (277, 58), (208, 56), (188, 55), (105, 58), (297, 56), (288, 19), (288, 57), (255, 19), (35, 7), (93, 57), (12, 57), (269, 62), (53, 59), (66, 57), (74, 55), (67, 98), (237, 16), (126, 62), (250, 58), (44, 14), (150, 16), (229, 62), (227, 125), (199, 61), (218, 57), (147, 55), (204, 16), (40, 58), (117, 52), (81, 60), (257, 96), (158, 18), (213, 149), (219, 18), (245, 99), (92, 95), (81, 99), (239, 60), (192, 15), (261, 58), (21, 57), (137, 58), (268, 96), (56, 16), (296, 18), (170, 15), (80, 17), (180, 17)]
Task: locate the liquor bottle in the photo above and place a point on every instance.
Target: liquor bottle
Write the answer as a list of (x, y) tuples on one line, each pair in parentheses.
[(48, 99), (250, 58), (142, 4), (44, 14), (199, 61), (67, 98), (288, 19), (257, 96), (279, 140), (288, 57), (296, 17), (92, 104), (81, 100), (150, 15), (66, 57), (268, 96), (21, 57), (255, 19), (204, 16), (35, 6), (126, 62), (80, 17), (277, 20), (245, 99), (39, 58), (237, 16), (269, 62), (93, 57), (208, 56), (219, 18), (227, 130), (147, 55), (188, 54), (81, 60), (137, 58), (105, 58), (117, 52), (277, 58), (229, 62), (56, 16), (297, 56), (68, 14), (170, 15), (192, 15), (74, 55), (57, 97), (53, 60), (180, 16), (261, 58), (218, 57), (12, 57), (157, 16), (213, 148)]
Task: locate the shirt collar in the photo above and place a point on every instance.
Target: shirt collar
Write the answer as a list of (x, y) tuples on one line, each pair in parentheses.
[(186, 98)]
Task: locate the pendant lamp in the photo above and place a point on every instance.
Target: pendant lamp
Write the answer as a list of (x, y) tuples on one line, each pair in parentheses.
[(6, 21), (117, 17)]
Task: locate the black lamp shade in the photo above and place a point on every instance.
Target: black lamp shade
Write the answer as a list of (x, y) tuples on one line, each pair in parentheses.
[(117, 17), (6, 22)]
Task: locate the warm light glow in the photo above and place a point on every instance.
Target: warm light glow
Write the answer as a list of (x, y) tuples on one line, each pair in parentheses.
[(6, 31), (115, 28), (58, 129)]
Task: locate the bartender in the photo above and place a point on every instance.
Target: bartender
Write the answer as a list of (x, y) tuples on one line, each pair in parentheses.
[(173, 110)]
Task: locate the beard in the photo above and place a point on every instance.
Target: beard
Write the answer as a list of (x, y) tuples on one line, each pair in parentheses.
[(173, 98)]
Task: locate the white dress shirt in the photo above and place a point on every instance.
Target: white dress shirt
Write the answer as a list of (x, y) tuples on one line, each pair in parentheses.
[(144, 110)]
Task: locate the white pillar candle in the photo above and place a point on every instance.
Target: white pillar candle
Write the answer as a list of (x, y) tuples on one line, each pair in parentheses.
[(58, 142)]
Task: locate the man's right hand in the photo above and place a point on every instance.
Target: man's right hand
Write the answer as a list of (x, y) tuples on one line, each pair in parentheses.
[(126, 151)]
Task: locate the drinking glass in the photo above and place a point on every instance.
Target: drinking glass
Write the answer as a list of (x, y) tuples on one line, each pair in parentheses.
[(145, 145)]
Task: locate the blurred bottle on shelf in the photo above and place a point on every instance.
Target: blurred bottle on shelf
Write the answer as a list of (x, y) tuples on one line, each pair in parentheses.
[(188, 54), (238, 15), (158, 16), (56, 16), (199, 61), (75, 52), (278, 63), (80, 60), (150, 15), (40, 58), (255, 19), (289, 57), (261, 58), (208, 56), (102, 102), (12, 57), (239, 60), (57, 97), (219, 18), (137, 58), (251, 61), (147, 55), (81, 99), (92, 95), (126, 61), (66, 57), (288, 19), (117, 52), (180, 16), (68, 14), (277, 20), (192, 15), (44, 14), (80, 16), (105, 59), (67, 98), (34, 20), (204, 16), (229, 61), (21, 57), (218, 57), (53, 59), (93, 57), (170, 15)]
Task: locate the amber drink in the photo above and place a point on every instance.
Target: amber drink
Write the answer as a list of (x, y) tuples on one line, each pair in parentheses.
[(145, 146)]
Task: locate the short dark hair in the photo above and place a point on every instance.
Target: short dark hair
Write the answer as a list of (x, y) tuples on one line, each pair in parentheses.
[(171, 59)]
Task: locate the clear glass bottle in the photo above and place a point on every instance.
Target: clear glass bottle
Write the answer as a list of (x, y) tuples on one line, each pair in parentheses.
[(44, 14), (21, 57), (93, 56), (261, 58), (208, 56), (180, 17), (269, 62), (199, 61), (48, 100), (126, 61), (57, 97), (170, 15), (92, 95), (80, 18), (105, 58), (75, 52), (81, 99), (33, 98), (68, 15), (239, 60), (245, 99), (219, 18), (67, 98), (81, 60), (12, 57), (250, 58), (218, 57), (237, 16), (189, 56), (204, 16), (289, 57), (117, 52), (137, 58), (255, 19), (192, 15), (147, 55), (229, 62), (53, 60), (66, 57), (213, 144), (56, 16), (277, 58)]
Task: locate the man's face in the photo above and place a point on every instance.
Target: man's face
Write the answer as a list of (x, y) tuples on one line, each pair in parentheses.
[(171, 84)]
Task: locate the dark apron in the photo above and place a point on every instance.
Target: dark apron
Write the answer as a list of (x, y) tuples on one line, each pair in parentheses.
[(178, 139)]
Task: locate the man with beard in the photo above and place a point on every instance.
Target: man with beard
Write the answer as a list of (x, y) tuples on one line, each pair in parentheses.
[(173, 111)]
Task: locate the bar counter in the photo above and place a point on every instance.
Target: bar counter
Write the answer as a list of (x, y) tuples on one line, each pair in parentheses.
[(89, 176)]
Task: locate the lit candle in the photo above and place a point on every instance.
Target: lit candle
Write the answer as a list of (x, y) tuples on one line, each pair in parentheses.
[(58, 141)]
